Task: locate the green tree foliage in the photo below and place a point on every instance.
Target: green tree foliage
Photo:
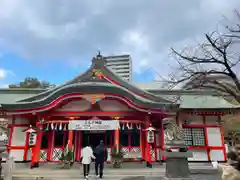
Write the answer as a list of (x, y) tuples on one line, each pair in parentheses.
[(31, 82)]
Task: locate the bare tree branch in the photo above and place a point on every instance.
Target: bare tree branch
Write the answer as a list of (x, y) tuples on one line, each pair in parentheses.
[(212, 64)]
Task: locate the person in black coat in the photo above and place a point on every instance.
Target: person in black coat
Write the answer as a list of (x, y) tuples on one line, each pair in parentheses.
[(101, 155)]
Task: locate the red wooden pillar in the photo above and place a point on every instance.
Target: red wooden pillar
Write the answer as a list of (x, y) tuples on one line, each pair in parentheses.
[(148, 148), (76, 145), (79, 145), (206, 138), (116, 138), (70, 138), (36, 149), (222, 138), (142, 142), (50, 145), (161, 138)]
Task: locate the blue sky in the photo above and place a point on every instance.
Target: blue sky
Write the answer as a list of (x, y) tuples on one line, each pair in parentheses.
[(54, 71), (56, 40)]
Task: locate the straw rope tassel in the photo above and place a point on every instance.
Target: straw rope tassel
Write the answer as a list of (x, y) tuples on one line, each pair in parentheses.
[(131, 126), (60, 126), (52, 126), (127, 125), (123, 126), (47, 127), (119, 126)]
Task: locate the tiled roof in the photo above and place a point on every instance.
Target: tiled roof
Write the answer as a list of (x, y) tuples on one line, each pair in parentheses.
[(205, 102)]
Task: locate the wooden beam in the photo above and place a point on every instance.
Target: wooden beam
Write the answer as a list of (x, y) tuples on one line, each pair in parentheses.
[(99, 113)]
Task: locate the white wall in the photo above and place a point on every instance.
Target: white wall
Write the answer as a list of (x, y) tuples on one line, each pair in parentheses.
[(199, 155), (18, 139), (18, 136), (17, 154), (215, 140)]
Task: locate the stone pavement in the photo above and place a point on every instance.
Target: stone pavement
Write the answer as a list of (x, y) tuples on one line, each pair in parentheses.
[(195, 177), (199, 171)]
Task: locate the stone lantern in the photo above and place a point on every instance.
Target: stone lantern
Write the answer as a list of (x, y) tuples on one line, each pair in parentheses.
[(176, 152)]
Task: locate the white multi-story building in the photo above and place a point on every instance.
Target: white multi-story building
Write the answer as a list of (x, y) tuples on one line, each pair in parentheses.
[(121, 65)]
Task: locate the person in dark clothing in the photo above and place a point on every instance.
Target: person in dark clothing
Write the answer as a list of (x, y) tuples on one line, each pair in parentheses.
[(101, 156)]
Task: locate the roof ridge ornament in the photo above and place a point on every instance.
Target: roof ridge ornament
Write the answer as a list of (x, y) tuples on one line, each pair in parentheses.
[(99, 56), (98, 59)]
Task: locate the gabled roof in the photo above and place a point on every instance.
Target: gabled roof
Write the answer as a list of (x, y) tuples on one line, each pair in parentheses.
[(97, 79), (99, 73)]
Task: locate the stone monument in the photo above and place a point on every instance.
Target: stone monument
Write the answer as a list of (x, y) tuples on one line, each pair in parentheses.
[(176, 153), (5, 172)]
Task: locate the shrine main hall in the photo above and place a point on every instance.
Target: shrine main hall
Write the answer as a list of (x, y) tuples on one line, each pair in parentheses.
[(100, 105)]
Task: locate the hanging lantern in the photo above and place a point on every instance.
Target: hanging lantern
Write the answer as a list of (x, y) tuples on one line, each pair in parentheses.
[(116, 117)]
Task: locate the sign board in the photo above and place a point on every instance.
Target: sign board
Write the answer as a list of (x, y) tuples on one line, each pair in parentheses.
[(150, 137), (93, 125), (95, 132), (32, 139)]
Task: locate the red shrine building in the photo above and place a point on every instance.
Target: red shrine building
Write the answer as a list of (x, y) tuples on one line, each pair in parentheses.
[(99, 105)]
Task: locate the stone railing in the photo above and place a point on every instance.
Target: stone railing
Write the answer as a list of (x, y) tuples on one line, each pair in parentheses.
[(8, 169)]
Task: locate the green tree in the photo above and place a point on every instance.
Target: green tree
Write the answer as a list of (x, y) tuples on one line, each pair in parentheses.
[(32, 82)]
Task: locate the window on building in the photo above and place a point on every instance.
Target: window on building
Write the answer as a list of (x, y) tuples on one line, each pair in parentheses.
[(194, 137), (124, 138), (135, 138), (44, 144), (58, 138)]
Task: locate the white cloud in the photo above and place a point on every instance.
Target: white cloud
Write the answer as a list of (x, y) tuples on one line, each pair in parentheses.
[(68, 30), (4, 73), (4, 85)]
